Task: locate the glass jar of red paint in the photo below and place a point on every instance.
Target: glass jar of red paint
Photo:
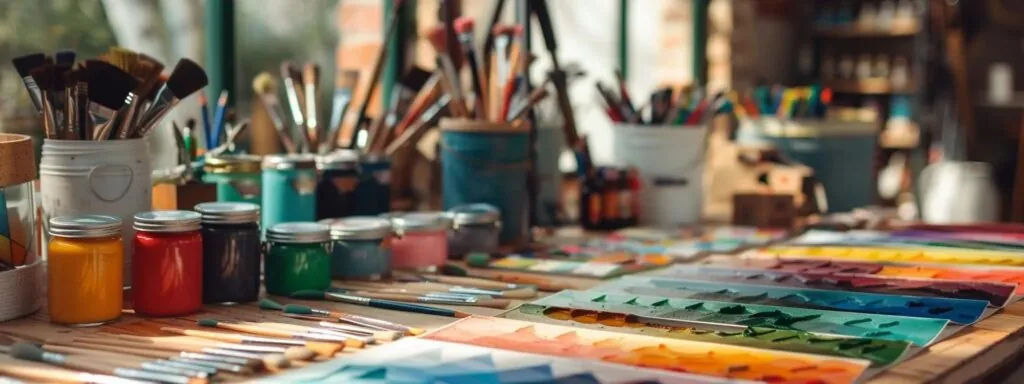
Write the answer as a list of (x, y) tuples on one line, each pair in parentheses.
[(168, 264)]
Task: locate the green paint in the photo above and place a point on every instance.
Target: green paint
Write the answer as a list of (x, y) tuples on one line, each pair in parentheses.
[(295, 267)]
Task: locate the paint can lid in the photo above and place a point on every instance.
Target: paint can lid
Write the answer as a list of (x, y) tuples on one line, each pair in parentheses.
[(340, 159), (358, 228), (289, 161), (474, 214), (85, 226), (421, 222), (299, 233), (167, 221), (228, 212), (232, 164)]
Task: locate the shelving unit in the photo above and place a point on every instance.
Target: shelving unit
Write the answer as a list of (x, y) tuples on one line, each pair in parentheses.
[(862, 32), (879, 86)]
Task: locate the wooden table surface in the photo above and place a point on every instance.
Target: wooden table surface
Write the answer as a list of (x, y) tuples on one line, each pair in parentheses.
[(991, 348)]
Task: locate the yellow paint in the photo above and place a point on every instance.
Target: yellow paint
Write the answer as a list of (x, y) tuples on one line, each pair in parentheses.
[(86, 276), (896, 254)]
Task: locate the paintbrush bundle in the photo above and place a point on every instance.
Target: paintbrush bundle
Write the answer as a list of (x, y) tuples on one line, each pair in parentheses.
[(666, 106), (121, 95)]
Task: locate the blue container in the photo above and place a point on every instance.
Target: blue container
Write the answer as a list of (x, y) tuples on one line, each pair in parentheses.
[(373, 193), (360, 247), (336, 190), (486, 162), (289, 189)]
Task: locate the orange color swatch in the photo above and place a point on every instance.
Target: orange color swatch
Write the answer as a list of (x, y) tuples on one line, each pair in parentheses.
[(916, 255), (652, 352)]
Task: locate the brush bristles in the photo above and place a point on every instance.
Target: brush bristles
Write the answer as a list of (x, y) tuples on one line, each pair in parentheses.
[(109, 85), (25, 351), (25, 64), (464, 24), (186, 78), (438, 39), (264, 84), (275, 362), (299, 354)]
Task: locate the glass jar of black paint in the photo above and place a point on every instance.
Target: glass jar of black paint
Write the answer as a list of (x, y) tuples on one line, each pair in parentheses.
[(336, 190), (231, 252)]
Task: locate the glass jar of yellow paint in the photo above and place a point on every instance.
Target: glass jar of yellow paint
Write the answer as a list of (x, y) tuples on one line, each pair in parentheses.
[(86, 270)]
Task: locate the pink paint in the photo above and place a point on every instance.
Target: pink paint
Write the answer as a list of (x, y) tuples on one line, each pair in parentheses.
[(421, 241)]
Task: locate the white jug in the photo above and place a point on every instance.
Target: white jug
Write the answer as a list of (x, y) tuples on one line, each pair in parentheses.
[(958, 192)]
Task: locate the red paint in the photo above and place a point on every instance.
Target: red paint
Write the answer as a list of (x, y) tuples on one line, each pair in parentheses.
[(167, 273)]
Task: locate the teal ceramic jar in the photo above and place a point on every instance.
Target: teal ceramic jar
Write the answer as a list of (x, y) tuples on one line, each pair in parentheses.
[(237, 177), (289, 189), (360, 247), (297, 258)]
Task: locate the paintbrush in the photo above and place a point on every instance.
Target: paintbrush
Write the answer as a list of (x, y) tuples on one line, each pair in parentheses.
[(46, 373), (624, 99), (225, 363), (427, 120), (135, 361), (429, 287), (391, 29), (271, 358), (219, 116), (512, 281), (464, 27), (324, 349), (401, 96), (442, 299), (110, 89), (377, 303), (363, 321), (516, 65), (266, 88), (362, 337), (24, 65), (429, 94), (186, 78), (65, 56), (535, 97), (310, 81), (291, 91), (76, 93), (449, 72), (375, 333), (49, 80), (34, 353), (344, 85), (269, 332), (204, 112)]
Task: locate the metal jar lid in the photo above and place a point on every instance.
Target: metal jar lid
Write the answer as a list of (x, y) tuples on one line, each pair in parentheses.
[(301, 233), (85, 226), (340, 159), (228, 213), (358, 228), (289, 161), (421, 222), (168, 221), (232, 164), (474, 214)]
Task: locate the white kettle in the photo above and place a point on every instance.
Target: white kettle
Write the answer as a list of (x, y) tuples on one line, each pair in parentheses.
[(958, 192)]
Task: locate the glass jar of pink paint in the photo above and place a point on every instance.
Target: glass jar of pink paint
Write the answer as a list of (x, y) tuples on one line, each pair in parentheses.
[(421, 240)]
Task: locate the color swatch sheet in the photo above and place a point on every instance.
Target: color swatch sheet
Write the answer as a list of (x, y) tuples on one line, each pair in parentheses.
[(919, 331), (995, 294), (601, 266), (956, 310), (909, 238), (879, 352), (914, 254), (688, 242), (947, 272), (652, 352), (416, 361)]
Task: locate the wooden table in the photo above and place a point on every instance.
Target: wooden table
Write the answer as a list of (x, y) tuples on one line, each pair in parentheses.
[(982, 353)]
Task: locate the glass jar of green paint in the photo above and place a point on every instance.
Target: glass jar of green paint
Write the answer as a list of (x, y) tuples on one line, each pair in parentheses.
[(297, 258), (237, 177)]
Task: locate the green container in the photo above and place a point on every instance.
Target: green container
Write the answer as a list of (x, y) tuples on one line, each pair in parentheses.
[(237, 177), (297, 258)]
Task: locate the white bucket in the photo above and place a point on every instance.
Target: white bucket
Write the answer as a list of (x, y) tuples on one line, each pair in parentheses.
[(673, 155), (80, 177)]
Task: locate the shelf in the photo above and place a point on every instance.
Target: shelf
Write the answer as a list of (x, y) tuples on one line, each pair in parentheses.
[(868, 87), (862, 32)]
